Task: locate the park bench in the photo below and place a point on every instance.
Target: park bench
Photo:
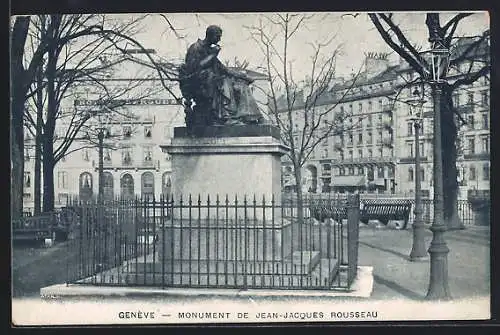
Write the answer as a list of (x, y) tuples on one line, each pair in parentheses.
[(328, 210), (37, 228), (381, 210), (385, 210)]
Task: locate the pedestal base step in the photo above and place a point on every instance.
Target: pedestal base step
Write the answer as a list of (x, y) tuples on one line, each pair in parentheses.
[(322, 275), (300, 262)]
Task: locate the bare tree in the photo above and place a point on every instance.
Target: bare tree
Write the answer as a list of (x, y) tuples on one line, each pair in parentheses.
[(81, 50), (474, 53), (303, 111)]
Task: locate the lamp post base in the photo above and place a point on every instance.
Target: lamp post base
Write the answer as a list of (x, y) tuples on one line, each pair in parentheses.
[(438, 285)]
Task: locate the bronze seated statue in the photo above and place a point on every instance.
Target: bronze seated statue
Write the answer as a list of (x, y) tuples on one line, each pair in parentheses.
[(212, 93)]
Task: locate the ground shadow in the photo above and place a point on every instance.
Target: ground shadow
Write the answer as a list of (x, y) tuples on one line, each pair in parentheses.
[(398, 288)]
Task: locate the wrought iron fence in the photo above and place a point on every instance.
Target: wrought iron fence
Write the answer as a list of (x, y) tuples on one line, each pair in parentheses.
[(215, 242)]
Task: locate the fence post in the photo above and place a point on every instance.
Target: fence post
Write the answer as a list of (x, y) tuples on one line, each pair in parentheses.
[(352, 237)]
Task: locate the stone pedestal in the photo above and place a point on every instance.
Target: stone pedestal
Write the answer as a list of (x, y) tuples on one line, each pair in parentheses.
[(237, 163), (229, 178)]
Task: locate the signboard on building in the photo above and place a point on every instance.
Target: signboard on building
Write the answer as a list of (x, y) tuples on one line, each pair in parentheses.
[(126, 102)]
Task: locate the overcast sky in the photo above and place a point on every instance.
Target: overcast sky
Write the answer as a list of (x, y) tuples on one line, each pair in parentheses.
[(355, 35)]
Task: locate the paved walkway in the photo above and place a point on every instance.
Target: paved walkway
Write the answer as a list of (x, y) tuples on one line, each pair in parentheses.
[(395, 277)]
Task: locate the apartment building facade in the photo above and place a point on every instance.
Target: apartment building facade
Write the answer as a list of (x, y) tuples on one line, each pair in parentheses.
[(376, 151)]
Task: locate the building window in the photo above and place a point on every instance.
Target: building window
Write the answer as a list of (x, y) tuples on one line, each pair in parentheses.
[(486, 124), (390, 172), (409, 148), (370, 138), (369, 123), (380, 136), (127, 131), (370, 153), (485, 99), (410, 128), (486, 144), (360, 153), (456, 99), (107, 156), (361, 171), (325, 153), (370, 104), (360, 138), (107, 132), (85, 154), (380, 119), (380, 172), (472, 173), (470, 98), (127, 187), (147, 185), (108, 186), (127, 156), (351, 156), (472, 145), (350, 139), (470, 121), (422, 174), (27, 155), (486, 172), (351, 171), (147, 131), (422, 149), (410, 173), (85, 186), (380, 152), (27, 179), (147, 155), (360, 107), (369, 174), (62, 179)]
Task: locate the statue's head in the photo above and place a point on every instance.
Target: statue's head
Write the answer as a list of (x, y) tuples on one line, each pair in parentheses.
[(213, 34)]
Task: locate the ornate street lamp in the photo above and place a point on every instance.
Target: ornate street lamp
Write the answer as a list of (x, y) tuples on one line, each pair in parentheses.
[(103, 119), (416, 104), (437, 59)]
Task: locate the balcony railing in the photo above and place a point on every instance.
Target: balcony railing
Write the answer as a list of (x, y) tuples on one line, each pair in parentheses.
[(363, 160), (412, 159), (477, 156)]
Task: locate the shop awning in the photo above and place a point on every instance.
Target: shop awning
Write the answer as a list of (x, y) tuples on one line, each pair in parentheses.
[(348, 181)]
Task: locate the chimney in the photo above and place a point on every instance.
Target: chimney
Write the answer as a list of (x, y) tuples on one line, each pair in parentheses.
[(376, 62)]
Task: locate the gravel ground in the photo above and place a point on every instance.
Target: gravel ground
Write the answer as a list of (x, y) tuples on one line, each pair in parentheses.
[(387, 250)]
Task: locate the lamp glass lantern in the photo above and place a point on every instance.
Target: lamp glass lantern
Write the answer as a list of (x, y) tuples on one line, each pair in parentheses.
[(438, 59), (417, 104)]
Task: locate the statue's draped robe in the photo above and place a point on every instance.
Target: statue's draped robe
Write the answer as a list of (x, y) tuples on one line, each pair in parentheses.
[(212, 88)]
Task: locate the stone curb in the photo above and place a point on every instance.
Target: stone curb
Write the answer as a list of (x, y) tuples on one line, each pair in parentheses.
[(362, 287)]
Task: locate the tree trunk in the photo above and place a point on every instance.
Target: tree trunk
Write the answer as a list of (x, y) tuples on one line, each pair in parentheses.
[(300, 231), (49, 129), (450, 173), (48, 178), (17, 171), (18, 96), (38, 144)]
